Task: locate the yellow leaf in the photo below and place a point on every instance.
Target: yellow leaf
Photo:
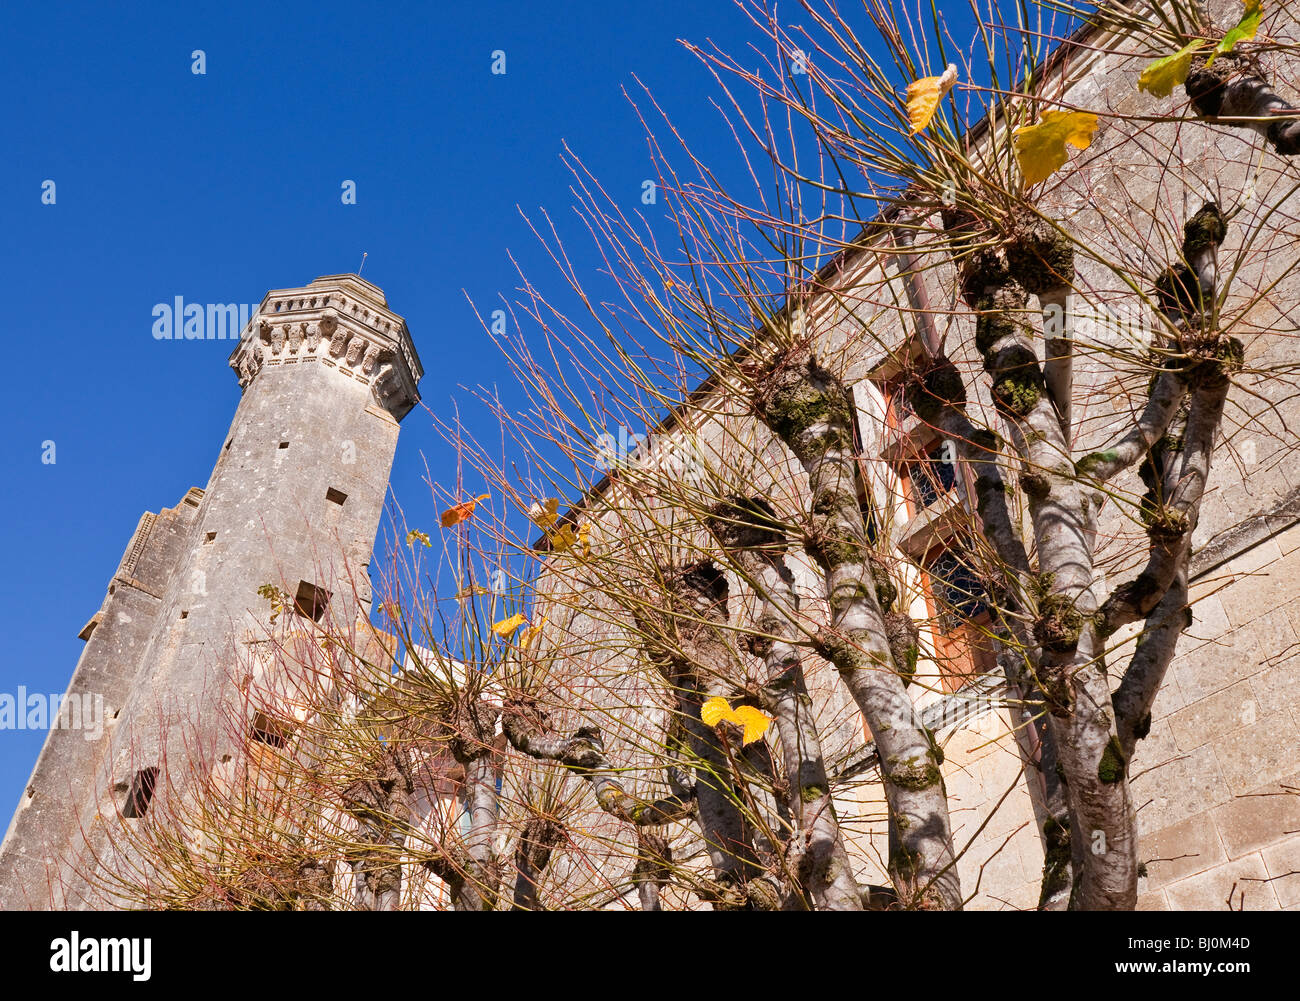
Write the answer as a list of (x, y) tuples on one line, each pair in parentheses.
[(472, 591), (564, 540), (1245, 29), (415, 535), (531, 633), (507, 627), (924, 95), (1040, 149), (457, 513), (715, 710), (545, 513), (1163, 75), (755, 722), (567, 539)]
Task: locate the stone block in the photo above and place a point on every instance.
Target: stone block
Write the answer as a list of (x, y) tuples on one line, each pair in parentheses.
[(1289, 541), (1214, 666), (1209, 621), (1186, 848), (1259, 754), (1260, 818), (1177, 787), (1260, 590), (1022, 898), (1153, 901), (1283, 863), (1169, 699), (1239, 885), (1292, 609), (1277, 688), (999, 866), (1214, 716)]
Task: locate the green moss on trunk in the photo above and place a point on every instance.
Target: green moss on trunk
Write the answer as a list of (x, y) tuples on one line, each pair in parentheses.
[(1112, 767), (1059, 624), (914, 774)]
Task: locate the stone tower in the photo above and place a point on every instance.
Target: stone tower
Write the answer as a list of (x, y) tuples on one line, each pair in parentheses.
[(327, 372)]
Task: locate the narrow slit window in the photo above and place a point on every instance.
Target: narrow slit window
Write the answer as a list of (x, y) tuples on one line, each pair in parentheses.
[(335, 496), (284, 444), (185, 614), (89, 627), (311, 601), (210, 537), (140, 794), (267, 730)]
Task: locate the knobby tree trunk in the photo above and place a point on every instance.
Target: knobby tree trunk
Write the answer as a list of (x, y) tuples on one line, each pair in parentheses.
[(1067, 656), (470, 866), (381, 804), (538, 839), (749, 532), (809, 409), (687, 643), (1093, 849)]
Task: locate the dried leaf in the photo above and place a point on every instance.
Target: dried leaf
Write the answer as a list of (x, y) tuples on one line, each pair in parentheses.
[(924, 95), (1245, 29), (567, 540), (1163, 75), (507, 627), (545, 513), (1040, 149), (564, 540), (415, 535), (754, 720), (457, 513)]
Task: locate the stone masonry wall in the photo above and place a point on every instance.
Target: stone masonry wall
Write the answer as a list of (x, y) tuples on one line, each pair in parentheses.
[(1217, 781)]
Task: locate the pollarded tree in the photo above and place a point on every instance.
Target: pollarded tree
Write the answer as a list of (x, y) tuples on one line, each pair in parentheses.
[(664, 691), (781, 306)]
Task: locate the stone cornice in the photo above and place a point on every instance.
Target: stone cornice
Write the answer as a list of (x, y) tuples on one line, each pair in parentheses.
[(343, 322)]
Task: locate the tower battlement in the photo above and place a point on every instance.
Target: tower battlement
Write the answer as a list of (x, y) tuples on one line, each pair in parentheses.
[(343, 322)]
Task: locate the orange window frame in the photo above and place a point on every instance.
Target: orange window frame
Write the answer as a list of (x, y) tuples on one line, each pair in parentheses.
[(963, 654)]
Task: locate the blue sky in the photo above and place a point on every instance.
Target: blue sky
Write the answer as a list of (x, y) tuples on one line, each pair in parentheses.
[(218, 187)]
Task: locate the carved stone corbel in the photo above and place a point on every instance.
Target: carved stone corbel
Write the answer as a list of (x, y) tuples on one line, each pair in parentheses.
[(370, 362), (339, 341)]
